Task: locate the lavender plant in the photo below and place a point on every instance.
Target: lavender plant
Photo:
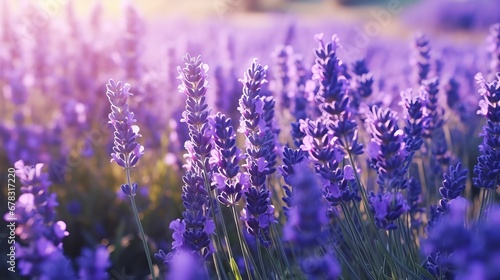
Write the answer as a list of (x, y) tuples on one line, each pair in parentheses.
[(126, 150), (404, 208)]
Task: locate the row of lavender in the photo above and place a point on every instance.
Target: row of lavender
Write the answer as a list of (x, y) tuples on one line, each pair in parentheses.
[(363, 214)]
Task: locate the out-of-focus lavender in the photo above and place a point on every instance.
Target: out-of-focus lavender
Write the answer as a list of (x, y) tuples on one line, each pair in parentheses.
[(384, 167)]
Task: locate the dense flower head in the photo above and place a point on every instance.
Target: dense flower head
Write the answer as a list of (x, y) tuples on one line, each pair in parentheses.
[(196, 227), (469, 252), (126, 150), (300, 77), (305, 226), (194, 84), (131, 43), (225, 158), (332, 94), (282, 75), (414, 198), (318, 142), (487, 169), (387, 149), (413, 107), (387, 208), (257, 126), (307, 215), (361, 83), (421, 59), (258, 214), (328, 72), (454, 100), (186, 266), (291, 158), (480, 259), (433, 111), (454, 182), (35, 219), (494, 48), (93, 263)]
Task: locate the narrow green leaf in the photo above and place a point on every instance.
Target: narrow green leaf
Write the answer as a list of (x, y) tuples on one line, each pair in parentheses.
[(391, 256), (423, 271), (234, 268)]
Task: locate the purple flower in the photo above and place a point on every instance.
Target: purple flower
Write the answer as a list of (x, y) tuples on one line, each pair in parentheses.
[(387, 149), (421, 59), (281, 84), (131, 52), (332, 96), (387, 208), (93, 263), (453, 185), (197, 227), (361, 83), (487, 169), (319, 143), (126, 150), (413, 105), (290, 159), (37, 228), (307, 215), (255, 124), (186, 266), (433, 112), (225, 158), (194, 84), (414, 198), (494, 48)]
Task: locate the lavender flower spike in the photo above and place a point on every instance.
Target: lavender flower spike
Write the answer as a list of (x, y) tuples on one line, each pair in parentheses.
[(39, 232), (225, 158), (126, 150), (305, 225), (453, 186), (258, 213), (387, 208), (487, 169), (387, 150), (194, 84)]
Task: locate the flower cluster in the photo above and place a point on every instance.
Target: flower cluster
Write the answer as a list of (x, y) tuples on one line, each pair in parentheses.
[(305, 224), (39, 232), (225, 158), (487, 169), (332, 95), (387, 208), (126, 150), (421, 57), (258, 213), (413, 107), (194, 84), (387, 149), (453, 186), (361, 83)]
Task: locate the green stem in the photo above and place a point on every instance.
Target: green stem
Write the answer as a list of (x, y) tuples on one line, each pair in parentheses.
[(242, 242), (259, 254), (139, 225)]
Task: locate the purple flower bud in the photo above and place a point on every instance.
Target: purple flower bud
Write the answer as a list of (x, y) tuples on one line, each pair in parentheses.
[(129, 191), (126, 150), (387, 208)]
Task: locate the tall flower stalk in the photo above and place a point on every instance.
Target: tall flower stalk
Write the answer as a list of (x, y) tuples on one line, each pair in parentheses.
[(487, 169), (126, 150), (194, 84), (258, 213)]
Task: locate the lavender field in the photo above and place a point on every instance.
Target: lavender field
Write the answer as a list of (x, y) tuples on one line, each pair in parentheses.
[(240, 139)]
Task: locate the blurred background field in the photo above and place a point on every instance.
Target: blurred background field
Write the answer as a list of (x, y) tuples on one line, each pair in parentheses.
[(57, 55)]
